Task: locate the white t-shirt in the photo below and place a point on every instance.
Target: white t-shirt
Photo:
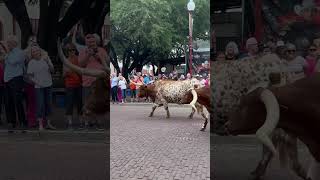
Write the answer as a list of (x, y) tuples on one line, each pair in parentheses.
[(123, 84), (297, 64), (40, 73)]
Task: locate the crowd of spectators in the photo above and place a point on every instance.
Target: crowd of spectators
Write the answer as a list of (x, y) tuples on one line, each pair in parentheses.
[(123, 91), (26, 82), (305, 60)]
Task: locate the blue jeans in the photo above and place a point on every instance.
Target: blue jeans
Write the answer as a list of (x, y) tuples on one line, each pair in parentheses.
[(124, 94), (73, 98), (14, 101), (43, 96)]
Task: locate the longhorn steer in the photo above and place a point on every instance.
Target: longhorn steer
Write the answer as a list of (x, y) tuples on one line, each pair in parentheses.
[(163, 92), (300, 117), (97, 103), (233, 79)]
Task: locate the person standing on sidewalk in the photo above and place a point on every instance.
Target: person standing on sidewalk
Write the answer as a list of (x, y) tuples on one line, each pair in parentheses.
[(94, 57), (132, 87), (29, 86), (114, 88), (123, 87), (39, 72), (72, 82), (14, 66)]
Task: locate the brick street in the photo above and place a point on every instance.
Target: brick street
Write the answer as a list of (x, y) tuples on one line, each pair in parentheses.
[(54, 155), (235, 157), (158, 148)]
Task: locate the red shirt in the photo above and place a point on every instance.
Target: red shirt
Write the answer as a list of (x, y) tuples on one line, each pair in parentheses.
[(72, 79)]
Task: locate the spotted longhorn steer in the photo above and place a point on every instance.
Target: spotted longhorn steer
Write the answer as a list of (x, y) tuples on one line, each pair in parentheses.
[(233, 79), (163, 92)]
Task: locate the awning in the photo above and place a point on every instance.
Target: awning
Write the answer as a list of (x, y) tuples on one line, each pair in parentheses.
[(224, 5)]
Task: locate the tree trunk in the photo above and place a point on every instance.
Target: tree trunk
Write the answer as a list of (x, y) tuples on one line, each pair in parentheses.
[(113, 58), (139, 67), (54, 14), (153, 70), (19, 11), (100, 20), (77, 10), (43, 24)]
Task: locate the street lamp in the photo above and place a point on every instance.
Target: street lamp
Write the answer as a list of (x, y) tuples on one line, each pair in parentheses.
[(191, 7)]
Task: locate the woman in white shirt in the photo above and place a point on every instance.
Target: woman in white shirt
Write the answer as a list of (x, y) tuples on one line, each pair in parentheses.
[(123, 86), (39, 72)]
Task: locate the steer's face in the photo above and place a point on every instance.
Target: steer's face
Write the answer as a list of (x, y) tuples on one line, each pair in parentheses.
[(143, 91), (248, 118)]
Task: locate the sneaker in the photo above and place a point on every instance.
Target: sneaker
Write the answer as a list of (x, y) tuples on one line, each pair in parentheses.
[(69, 127), (98, 128), (81, 127), (23, 129), (10, 129), (49, 126)]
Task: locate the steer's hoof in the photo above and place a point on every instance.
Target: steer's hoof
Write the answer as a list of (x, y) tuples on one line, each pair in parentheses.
[(150, 115), (168, 117), (202, 129)]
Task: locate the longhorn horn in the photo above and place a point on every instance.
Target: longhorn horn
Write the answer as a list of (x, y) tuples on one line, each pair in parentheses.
[(272, 119), (79, 70)]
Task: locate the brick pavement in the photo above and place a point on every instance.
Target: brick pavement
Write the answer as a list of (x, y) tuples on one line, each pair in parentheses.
[(55, 155), (237, 156), (157, 148)]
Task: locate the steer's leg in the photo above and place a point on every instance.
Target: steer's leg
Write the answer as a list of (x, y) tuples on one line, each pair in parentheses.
[(165, 104), (205, 122), (154, 107), (263, 164), (295, 164), (192, 113)]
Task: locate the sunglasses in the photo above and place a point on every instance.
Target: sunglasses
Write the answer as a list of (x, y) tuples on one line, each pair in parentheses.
[(312, 49), (71, 50)]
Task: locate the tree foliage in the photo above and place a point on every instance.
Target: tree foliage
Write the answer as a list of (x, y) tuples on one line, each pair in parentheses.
[(145, 31)]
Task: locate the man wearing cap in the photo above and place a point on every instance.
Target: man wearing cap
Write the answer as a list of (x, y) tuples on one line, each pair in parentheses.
[(93, 57), (252, 48), (281, 50), (297, 64)]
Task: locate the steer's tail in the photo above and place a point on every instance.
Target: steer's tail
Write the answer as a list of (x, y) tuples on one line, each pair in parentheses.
[(195, 99)]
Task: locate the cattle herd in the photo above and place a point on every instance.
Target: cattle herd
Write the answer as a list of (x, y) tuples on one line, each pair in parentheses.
[(252, 96)]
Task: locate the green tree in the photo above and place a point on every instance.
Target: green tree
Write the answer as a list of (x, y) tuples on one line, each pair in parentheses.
[(145, 31)]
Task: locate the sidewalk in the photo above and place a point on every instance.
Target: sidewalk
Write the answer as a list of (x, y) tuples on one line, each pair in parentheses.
[(149, 104), (57, 136)]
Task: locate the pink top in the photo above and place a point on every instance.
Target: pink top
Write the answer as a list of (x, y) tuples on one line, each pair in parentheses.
[(206, 83), (93, 63), (312, 62)]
